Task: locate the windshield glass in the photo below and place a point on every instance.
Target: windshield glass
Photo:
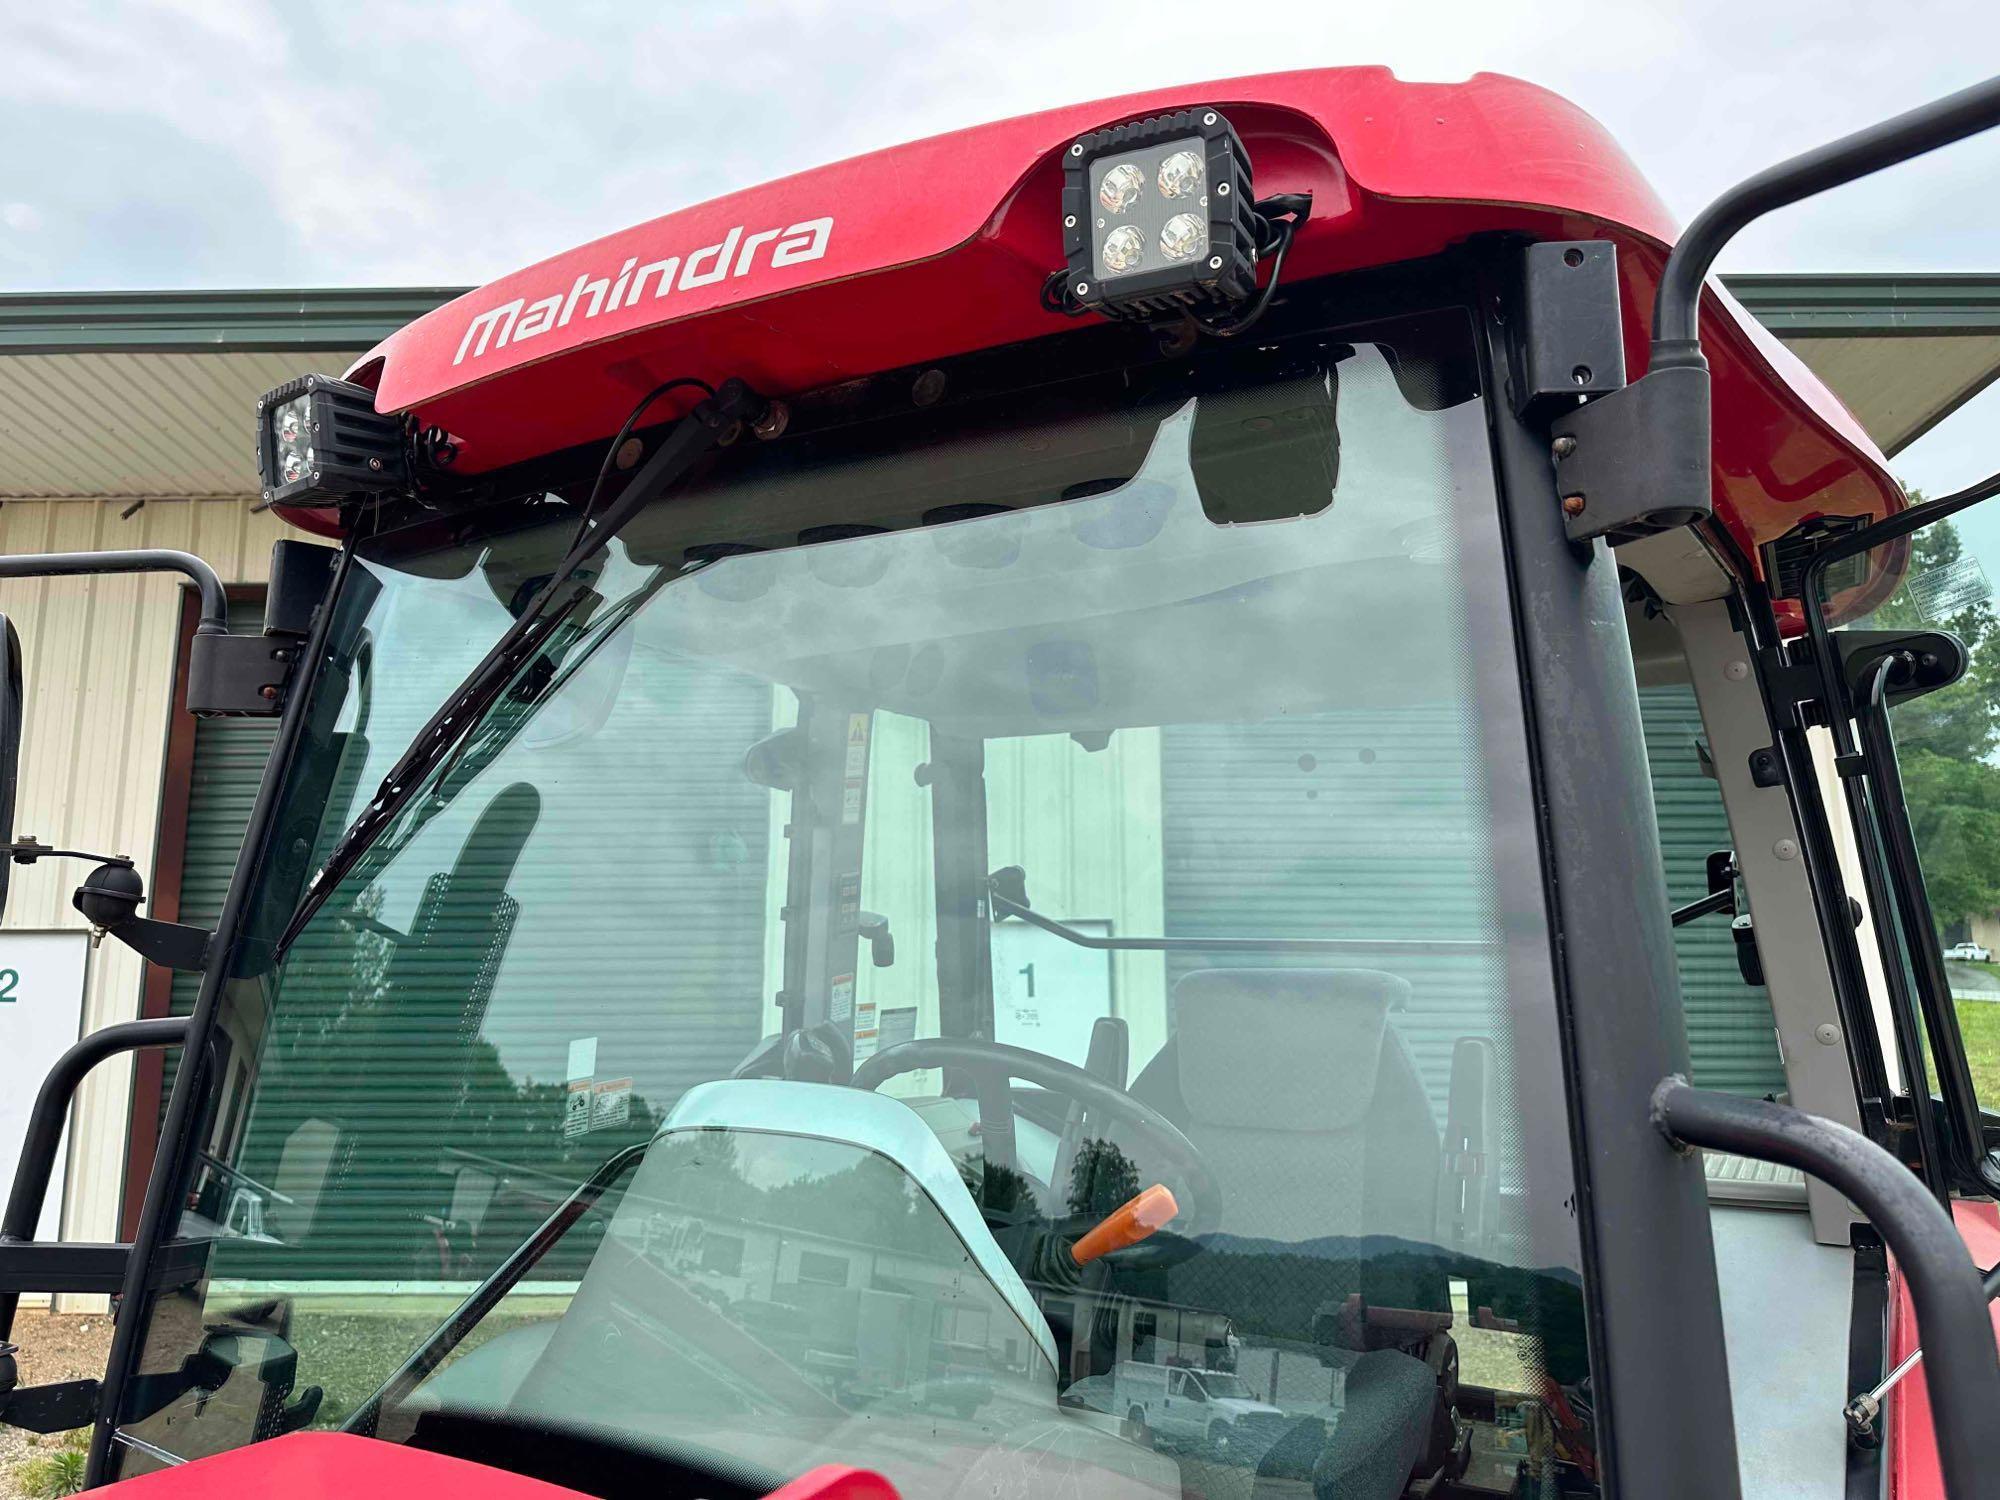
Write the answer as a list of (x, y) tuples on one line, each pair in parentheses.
[(985, 816)]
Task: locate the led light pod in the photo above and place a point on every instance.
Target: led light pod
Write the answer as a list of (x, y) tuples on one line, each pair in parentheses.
[(320, 440), (1159, 217)]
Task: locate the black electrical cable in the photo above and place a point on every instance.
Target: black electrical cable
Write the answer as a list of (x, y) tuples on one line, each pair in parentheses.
[(679, 382), (1282, 236)]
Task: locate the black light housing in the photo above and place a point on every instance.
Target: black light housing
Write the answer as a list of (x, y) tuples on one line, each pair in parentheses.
[(1159, 218), (320, 440)]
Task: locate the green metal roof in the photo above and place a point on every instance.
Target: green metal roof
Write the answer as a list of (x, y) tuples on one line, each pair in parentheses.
[(215, 322), (1885, 305), (1793, 306)]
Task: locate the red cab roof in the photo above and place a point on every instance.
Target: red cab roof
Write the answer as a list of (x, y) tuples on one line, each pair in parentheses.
[(941, 246)]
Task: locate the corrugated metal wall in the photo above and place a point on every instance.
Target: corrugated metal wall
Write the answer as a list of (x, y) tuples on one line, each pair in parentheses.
[(98, 655), (1732, 1039)]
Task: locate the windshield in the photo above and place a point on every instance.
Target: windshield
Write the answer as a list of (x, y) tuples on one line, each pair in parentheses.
[(1116, 784)]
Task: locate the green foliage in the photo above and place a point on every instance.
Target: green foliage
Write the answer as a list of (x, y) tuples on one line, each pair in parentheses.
[(48, 1476), (1961, 722), (1955, 815), (1100, 1179), (1947, 741)]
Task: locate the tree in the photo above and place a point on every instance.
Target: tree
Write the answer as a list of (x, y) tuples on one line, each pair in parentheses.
[(1946, 741), (1961, 722), (1955, 815)]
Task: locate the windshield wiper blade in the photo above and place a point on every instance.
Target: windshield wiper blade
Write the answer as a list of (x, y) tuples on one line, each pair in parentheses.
[(483, 1298), (734, 407)]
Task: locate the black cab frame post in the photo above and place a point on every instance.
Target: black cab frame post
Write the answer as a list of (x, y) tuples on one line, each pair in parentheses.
[(171, 1158), (1666, 1424)]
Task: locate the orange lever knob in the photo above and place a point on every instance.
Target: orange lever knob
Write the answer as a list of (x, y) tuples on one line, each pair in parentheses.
[(1127, 1224)]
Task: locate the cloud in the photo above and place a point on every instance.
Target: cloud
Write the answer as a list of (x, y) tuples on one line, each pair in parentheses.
[(249, 142)]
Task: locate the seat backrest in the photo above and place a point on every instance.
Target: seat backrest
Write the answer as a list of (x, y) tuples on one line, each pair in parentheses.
[(1296, 1087)]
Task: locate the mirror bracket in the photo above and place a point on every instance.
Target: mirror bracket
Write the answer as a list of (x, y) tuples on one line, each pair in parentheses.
[(109, 899)]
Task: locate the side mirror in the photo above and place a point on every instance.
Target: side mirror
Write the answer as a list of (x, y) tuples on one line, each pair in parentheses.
[(10, 742)]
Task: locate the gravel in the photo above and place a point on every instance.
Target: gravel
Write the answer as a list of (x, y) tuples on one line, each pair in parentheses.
[(54, 1346)]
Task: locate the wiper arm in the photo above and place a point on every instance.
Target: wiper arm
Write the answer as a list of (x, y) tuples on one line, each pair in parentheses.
[(483, 1298), (711, 422)]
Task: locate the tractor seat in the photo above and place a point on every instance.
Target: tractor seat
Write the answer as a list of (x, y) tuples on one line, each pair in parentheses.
[(1302, 1097)]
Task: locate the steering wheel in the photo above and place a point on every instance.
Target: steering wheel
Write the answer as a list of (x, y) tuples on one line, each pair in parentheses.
[(994, 1065)]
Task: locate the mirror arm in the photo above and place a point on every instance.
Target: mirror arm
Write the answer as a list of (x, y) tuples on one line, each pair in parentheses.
[(1939, 123)]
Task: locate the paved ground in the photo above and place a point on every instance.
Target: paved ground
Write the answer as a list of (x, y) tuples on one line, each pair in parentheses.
[(1973, 981), (53, 1347)]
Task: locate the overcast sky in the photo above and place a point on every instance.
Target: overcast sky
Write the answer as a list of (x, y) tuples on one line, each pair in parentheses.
[(204, 143)]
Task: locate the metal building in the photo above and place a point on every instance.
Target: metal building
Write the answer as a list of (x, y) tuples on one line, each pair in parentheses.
[(125, 421)]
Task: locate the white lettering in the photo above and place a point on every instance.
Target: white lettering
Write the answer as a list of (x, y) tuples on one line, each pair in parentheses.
[(665, 268), (723, 253), (735, 254), (789, 251), (501, 317), (584, 284), (618, 286), (540, 319), (750, 248)]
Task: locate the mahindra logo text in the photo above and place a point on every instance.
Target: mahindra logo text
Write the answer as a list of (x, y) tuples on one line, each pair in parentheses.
[(735, 255)]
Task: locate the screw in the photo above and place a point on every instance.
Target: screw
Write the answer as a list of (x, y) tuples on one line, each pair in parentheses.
[(1222, 190), (1209, 118), (929, 389), (1827, 1034), (268, 693), (1581, 374), (375, 464), (1069, 221), (1563, 446), (1737, 671), (1083, 289), (1215, 263), (1077, 149), (1786, 849), (1572, 505), (777, 417)]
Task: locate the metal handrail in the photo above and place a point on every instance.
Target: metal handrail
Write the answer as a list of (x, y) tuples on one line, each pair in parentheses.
[(1944, 1283), (214, 602), (51, 1114)]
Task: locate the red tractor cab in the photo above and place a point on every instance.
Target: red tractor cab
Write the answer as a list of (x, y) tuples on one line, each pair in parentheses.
[(981, 817)]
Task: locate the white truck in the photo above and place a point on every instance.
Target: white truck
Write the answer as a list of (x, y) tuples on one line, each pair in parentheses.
[(1182, 1406)]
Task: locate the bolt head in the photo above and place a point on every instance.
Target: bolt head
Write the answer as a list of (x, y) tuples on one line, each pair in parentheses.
[(1083, 289), (1563, 446), (1737, 671), (1572, 505), (1827, 1034), (1215, 263), (1786, 849)]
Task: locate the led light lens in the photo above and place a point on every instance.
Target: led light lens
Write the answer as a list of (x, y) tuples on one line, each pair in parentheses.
[(293, 441), (1123, 249), (1183, 237), (1120, 188), (1181, 175)]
